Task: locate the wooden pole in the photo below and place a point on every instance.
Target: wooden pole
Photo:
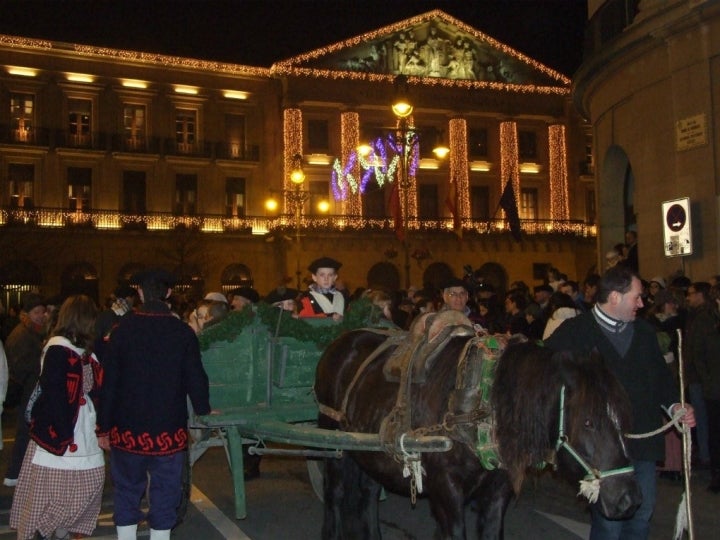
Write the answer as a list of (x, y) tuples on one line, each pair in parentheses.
[(686, 440)]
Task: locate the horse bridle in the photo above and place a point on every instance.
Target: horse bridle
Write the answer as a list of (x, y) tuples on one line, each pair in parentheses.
[(562, 442)]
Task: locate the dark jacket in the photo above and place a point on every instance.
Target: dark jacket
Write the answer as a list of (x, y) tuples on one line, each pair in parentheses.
[(642, 372), (23, 349), (152, 365), (702, 350), (55, 413)]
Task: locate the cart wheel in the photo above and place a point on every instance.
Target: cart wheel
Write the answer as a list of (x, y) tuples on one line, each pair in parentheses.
[(316, 472)]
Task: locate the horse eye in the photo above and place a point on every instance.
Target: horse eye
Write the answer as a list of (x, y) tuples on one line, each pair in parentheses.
[(589, 424)]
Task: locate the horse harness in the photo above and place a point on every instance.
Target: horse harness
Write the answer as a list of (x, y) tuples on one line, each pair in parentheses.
[(468, 418)]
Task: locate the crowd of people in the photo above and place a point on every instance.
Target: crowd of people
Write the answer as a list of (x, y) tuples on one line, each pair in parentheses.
[(82, 380)]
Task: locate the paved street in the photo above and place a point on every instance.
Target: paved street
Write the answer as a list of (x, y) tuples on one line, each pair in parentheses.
[(282, 505)]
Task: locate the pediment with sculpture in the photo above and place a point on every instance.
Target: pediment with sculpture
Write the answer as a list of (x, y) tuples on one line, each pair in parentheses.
[(433, 45)]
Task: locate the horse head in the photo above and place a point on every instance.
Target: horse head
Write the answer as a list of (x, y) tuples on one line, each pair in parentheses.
[(569, 407), (593, 413)]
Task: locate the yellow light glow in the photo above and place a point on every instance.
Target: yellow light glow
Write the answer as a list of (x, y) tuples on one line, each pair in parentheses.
[(323, 206), (22, 71), (364, 150), (132, 83), (271, 205), (80, 77), (187, 90), (297, 176), (480, 166), (402, 109), (235, 94), (428, 163), (529, 168), (441, 151), (318, 159)]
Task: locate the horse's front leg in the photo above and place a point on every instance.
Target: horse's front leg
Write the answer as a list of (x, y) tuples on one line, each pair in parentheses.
[(447, 504), (492, 498)]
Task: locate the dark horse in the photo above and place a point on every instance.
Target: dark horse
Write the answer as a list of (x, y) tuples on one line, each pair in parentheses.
[(531, 388)]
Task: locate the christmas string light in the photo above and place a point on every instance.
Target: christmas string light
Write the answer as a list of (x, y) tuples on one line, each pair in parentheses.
[(439, 18), (559, 204), (350, 139), (293, 144), (509, 162), (457, 128)]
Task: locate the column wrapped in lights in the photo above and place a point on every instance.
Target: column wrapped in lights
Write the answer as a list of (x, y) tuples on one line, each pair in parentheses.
[(350, 139), (509, 161), (559, 200), (292, 134), (457, 129)]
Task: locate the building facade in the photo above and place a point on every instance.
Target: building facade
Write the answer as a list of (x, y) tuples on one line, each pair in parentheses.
[(115, 160), (648, 85)]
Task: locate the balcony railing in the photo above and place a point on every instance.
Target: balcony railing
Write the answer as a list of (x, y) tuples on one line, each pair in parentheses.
[(117, 142), (159, 221)]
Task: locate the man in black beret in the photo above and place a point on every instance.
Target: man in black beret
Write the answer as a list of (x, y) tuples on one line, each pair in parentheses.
[(322, 299), (152, 365), (455, 294)]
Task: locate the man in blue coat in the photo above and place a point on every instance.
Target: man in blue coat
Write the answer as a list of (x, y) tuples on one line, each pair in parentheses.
[(630, 349), (152, 365)]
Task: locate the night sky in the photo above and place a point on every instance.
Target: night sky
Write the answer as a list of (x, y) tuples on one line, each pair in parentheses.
[(261, 32)]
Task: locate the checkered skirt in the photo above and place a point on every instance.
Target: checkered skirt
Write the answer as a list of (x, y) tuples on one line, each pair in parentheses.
[(47, 499)]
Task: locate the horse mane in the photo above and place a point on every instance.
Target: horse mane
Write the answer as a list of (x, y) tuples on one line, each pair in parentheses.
[(525, 398)]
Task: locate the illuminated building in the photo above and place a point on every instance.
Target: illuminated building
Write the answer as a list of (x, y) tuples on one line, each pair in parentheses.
[(649, 85), (112, 160)]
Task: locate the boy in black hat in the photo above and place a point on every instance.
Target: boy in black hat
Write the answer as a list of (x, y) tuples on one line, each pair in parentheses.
[(322, 299), (152, 365)]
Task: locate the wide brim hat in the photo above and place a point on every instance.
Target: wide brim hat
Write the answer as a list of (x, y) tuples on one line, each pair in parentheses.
[(324, 262), (281, 294)]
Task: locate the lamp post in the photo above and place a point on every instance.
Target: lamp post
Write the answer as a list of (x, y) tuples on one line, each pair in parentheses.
[(407, 138), (402, 108), (297, 198)]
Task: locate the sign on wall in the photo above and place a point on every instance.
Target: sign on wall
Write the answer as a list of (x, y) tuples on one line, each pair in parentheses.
[(691, 132), (677, 230)]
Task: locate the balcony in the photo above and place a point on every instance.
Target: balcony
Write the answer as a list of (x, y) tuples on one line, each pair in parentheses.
[(209, 223)]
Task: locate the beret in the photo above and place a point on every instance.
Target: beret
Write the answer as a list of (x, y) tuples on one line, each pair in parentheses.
[(123, 291), (324, 262), (280, 294), (246, 292), (154, 275), (454, 282), (545, 288)]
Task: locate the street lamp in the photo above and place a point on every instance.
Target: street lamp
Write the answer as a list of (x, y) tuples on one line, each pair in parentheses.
[(297, 198), (405, 141)]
